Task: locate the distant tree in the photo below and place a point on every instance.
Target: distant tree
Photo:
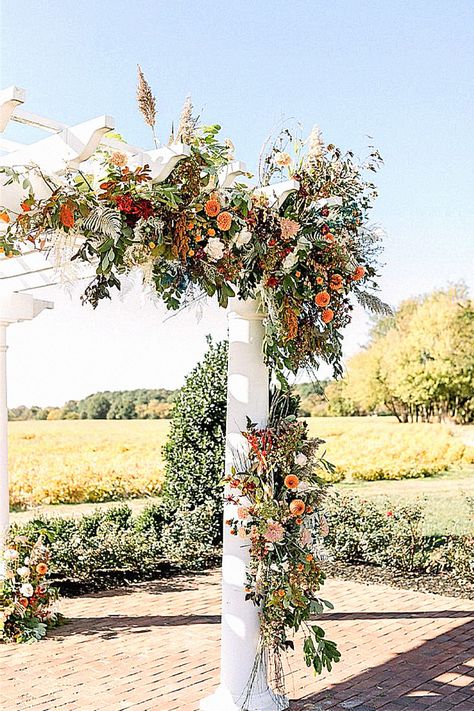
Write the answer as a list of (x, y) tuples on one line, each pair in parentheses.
[(419, 365), (95, 407)]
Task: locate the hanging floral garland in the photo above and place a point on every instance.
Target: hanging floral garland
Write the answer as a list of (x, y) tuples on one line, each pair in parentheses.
[(302, 260)]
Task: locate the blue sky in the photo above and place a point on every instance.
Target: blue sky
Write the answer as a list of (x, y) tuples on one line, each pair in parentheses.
[(396, 71)]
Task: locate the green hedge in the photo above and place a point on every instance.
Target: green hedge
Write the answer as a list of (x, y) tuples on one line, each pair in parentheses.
[(112, 546)]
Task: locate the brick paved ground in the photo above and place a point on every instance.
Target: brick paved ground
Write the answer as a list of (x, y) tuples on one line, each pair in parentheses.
[(155, 647)]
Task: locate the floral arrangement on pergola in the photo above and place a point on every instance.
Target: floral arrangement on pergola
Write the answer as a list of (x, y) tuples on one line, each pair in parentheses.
[(302, 259)]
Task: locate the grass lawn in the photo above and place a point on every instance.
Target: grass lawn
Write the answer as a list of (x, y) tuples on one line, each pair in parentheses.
[(444, 498)]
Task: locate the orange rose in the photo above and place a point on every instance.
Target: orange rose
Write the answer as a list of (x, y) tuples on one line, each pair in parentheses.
[(190, 226), (291, 481), (327, 315), (322, 299), (211, 232), (309, 557), (281, 593), (4, 216), (297, 275), (66, 216), (42, 568), (319, 280), (336, 282), (329, 237), (297, 507), (224, 221), (359, 273), (212, 207)]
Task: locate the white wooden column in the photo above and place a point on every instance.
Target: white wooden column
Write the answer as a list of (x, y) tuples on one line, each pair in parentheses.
[(14, 307), (247, 395)]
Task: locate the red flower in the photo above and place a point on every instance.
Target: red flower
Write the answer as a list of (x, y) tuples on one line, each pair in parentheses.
[(125, 203), (66, 215), (272, 282), (389, 513)]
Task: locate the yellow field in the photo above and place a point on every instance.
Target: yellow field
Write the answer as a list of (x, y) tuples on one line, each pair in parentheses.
[(69, 461), (372, 448), (93, 460)]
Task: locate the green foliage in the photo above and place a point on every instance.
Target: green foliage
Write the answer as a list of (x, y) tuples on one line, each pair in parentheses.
[(194, 455), (143, 404), (360, 532), (419, 364), (390, 535)]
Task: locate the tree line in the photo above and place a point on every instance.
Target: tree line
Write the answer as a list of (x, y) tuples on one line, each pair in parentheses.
[(143, 404)]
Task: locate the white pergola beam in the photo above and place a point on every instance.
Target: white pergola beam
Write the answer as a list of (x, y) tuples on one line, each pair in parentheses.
[(10, 99), (14, 307)]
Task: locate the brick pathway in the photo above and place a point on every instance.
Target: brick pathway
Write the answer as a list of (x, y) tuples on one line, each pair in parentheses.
[(155, 647)]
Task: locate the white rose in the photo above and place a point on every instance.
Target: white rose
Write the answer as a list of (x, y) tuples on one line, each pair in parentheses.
[(27, 560), (301, 459), (303, 486), (10, 554), (290, 261), (243, 238), (214, 249), (26, 589), (23, 571)]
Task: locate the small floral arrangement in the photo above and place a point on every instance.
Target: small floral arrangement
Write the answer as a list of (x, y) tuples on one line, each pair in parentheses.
[(305, 260), (27, 600), (278, 498)]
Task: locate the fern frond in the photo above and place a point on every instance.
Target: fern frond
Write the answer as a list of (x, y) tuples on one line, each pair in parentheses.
[(373, 303), (104, 221)]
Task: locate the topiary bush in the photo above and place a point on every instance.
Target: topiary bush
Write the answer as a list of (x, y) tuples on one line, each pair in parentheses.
[(190, 517)]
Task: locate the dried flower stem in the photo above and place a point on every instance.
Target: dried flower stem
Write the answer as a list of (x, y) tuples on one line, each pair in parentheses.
[(146, 102)]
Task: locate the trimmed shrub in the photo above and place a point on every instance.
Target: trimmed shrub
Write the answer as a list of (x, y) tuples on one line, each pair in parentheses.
[(191, 515)]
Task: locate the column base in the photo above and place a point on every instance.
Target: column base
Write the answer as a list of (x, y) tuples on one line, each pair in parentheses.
[(222, 700)]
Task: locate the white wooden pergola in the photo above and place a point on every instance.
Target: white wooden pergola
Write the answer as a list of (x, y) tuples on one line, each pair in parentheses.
[(23, 277)]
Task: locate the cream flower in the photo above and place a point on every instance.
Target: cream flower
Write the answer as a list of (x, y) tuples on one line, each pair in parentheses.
[(26, 589), (290, 261), (242, 238), (242, 532), (214, 249), (303, 486), (301, 459), (23, 571), (10, 554), (242, 512), (283, 160)]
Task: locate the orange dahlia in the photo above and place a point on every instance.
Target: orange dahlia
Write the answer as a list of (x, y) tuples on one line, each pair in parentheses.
[(291, 481), (212, 207), (359, 273), (224, 221), (322, 299), (297, 507), (327, 315)]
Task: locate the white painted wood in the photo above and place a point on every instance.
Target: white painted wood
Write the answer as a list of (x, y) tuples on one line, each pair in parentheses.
[(229, 174), (13, 308), (247, 395), (278, 192), (10, 99)]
